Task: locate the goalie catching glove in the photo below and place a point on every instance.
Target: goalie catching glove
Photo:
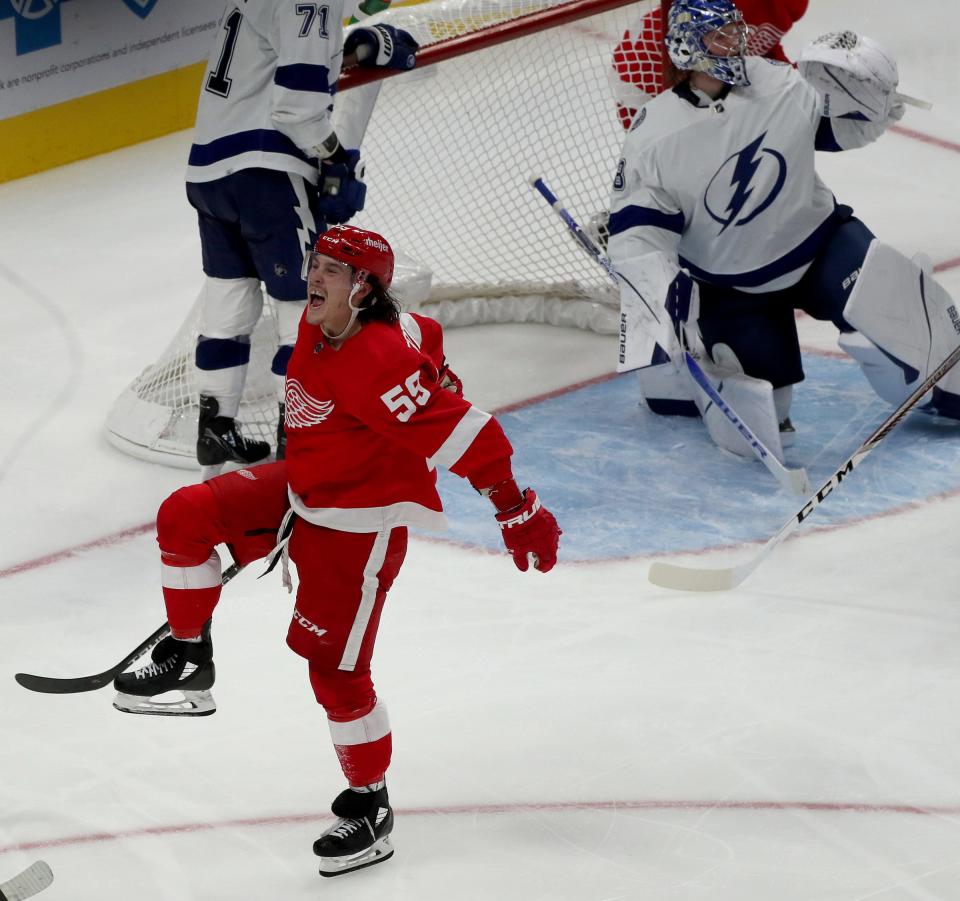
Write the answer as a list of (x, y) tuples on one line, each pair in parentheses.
[(382, 45), (856, 77), (529, 530)]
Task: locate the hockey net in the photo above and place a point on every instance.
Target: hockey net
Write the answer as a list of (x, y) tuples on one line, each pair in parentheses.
[(503, 90)]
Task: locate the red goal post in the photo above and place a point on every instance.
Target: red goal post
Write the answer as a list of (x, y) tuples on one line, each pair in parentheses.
[(502, 90), (474, 33)]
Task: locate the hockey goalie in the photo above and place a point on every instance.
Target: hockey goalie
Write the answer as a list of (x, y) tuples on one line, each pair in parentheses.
[(722, 229)]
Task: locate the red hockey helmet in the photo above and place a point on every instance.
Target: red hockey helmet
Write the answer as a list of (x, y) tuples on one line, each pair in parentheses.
[(359, 249)]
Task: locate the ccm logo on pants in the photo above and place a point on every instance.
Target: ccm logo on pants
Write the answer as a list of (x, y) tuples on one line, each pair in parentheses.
[(309, 626)]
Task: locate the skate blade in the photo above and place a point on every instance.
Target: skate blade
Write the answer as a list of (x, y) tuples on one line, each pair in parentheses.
[(378, 852), (171, 703)]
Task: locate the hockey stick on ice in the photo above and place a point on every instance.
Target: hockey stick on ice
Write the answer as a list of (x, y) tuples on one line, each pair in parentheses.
[(33, 879), (686, 578), (794, 480), (55, 686)]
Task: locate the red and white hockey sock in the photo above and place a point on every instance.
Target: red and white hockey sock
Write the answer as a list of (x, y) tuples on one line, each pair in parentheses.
[(191, 593), (364, 746)]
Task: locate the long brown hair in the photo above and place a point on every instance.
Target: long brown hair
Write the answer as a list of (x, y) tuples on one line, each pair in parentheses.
[(379, 305)]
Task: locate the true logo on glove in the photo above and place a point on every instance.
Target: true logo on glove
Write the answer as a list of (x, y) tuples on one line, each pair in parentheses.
[(521, 517)]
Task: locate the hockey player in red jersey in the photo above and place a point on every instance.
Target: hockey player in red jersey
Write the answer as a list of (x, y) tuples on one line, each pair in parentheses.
[(642, 68), (371, 410)]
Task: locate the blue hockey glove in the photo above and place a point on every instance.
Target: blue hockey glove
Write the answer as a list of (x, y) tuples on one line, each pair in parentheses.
[(382, 45), (342, 189)]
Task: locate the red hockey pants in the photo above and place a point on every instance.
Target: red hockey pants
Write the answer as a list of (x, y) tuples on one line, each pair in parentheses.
[(344, 579)]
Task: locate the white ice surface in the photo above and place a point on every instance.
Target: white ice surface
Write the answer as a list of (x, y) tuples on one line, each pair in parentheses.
[(580, 735)]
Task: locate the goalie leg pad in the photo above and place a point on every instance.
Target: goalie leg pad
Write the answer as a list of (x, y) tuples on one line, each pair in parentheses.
[(892, 379), (911, 320), (753, 401), (667, 391)]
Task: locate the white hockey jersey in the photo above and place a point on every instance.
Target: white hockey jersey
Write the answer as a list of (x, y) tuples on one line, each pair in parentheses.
[(267, 95), (728, 187)]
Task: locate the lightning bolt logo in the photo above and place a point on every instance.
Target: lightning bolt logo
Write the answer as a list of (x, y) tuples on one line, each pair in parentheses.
[(734, 191), (743, 172)]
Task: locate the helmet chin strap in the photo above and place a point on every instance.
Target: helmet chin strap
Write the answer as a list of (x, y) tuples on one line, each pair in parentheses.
[(359, 278)]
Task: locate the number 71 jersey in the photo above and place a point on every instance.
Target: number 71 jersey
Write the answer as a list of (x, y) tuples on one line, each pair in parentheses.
[(367, 424), (266, 97)]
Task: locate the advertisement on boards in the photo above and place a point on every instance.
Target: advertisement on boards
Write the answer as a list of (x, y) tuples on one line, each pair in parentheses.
[(52, 51)]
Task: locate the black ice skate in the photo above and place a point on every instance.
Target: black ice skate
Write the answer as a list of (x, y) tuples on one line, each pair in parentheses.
[(361, 835), (176, 681), (219, 439), (788, 433)]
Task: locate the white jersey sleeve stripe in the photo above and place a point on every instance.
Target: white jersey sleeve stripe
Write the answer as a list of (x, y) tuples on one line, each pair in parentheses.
[(206, 575), (372, 727), (411, 328), (460, 438)]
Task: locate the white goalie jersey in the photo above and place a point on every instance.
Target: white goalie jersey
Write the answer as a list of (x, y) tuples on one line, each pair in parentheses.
[(267, 94), (728, 188)]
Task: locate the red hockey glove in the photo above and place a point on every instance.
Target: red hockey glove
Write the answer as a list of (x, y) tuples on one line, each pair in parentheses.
[(531, 534)]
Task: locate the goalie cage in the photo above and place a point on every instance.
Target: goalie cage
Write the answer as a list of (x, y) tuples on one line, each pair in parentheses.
[(503, 89)]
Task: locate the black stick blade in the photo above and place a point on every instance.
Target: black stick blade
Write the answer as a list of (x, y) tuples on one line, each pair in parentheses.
[(53, 686)]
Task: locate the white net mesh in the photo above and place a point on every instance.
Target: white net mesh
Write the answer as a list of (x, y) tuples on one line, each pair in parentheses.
[(450, 149)]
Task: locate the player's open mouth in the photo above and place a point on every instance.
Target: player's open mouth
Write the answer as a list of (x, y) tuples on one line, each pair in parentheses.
[(315, 298)]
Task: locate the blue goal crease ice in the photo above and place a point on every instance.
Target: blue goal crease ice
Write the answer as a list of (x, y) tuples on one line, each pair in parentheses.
[(623, 482)]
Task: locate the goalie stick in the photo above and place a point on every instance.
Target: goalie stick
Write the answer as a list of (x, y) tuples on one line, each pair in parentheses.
[(56, 686), (794, 480), (33, 879), (688, 578), (912, 101)]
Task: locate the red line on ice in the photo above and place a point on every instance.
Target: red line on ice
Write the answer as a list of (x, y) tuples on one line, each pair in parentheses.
[(66, 553), (841, 807), (925, 138)]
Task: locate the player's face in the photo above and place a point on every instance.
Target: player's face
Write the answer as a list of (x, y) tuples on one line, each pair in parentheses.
[(727, 41), (329, 283)]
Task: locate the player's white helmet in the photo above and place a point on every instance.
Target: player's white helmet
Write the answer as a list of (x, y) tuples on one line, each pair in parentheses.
[(690, 21)]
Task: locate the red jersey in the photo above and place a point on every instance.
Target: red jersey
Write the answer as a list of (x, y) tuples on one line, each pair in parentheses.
[(368, 423)]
